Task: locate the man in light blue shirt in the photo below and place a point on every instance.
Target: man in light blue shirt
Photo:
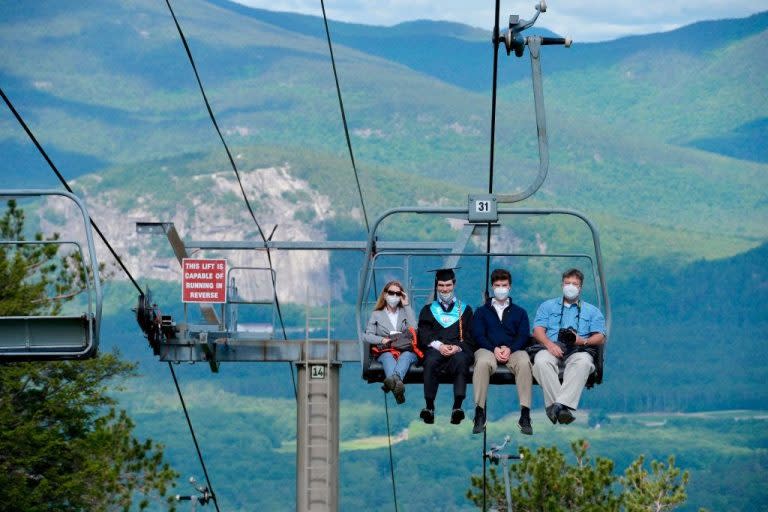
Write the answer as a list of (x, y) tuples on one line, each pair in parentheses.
[(569, 330)]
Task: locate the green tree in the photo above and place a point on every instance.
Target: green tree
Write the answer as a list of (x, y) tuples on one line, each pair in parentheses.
[(545, 481), (64, 445), (661, 489)]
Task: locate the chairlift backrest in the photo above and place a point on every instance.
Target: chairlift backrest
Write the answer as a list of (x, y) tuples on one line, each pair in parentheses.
[(373, 254), (45, 337)]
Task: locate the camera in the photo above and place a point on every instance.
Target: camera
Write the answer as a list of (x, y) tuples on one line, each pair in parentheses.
[(567, 336)]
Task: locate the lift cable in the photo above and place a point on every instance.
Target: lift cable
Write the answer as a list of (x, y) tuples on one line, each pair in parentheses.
[(239, 181), (127, 272), (344, 116), (64, 182), (365, 218), (194, 437), (492, 158), (389, 441), (496, 40)]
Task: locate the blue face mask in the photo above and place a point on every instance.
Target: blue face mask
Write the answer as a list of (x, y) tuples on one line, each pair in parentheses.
[(501, 293), (446, 298)]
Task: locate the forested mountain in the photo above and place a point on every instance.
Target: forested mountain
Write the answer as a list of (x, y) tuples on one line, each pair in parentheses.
[(661, 139)]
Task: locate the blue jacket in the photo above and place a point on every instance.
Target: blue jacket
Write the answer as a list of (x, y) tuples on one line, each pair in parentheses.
[(512, 331)]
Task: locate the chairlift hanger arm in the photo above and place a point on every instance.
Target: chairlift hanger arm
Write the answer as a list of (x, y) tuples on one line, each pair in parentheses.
[(514, 41)]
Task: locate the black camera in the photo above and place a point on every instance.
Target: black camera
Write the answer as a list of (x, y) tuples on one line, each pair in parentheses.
[(567, 336)]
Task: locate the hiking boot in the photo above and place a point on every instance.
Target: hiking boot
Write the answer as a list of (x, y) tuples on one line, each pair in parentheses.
[(525, 425), (456, 416), (564, 415), (399, 390), (480, 421), (389, 384), (428, 415)]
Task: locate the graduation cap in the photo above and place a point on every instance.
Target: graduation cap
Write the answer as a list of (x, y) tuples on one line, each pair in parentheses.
[(443, 274)]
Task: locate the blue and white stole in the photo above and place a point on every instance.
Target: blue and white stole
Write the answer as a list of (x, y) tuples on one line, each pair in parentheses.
[(446, 318)]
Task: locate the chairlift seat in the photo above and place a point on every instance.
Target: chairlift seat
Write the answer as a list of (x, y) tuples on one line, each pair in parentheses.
[(373, 372), (46, 337), (54, 338)]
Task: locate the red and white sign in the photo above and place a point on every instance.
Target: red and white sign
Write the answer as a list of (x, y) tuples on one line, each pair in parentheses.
[(203, 280)]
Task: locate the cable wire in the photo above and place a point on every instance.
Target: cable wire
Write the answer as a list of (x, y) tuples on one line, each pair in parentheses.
[(492, 158), (365, 216), (344, 116), (389, 441), (239, 180), (194, 437), (127, 272), (485, 447), (66, 185)]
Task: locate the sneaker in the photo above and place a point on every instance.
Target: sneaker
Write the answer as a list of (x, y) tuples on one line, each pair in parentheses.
[(480, 421), (564, 415), (389, 384), (552, 411), (428, 415), (525, 425), (399, 390), (456, 416)]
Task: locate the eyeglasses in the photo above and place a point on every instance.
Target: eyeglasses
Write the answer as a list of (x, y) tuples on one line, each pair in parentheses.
[(394, 293)]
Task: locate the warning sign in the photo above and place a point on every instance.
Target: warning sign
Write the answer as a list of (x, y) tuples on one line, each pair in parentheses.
[(203, 280)]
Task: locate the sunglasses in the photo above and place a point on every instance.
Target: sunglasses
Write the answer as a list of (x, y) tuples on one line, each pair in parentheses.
[(393, 293)]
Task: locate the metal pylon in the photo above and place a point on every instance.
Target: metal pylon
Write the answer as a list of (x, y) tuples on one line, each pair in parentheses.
[(318, 483)]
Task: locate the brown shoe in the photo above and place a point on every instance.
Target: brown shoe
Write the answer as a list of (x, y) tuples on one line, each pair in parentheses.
[(399, 390)]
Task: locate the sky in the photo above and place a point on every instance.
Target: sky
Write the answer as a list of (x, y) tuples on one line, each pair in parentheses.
[(582, 20)]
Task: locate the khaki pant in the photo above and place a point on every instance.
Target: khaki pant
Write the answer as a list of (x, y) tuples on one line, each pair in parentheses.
[(485, 364), (546, 368)]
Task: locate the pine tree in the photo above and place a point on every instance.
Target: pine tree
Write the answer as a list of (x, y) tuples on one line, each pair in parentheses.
[(545, 481), (64, 445)]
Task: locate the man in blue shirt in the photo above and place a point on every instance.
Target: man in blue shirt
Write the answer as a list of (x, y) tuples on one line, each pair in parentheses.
[(569, 330), (501, 332)]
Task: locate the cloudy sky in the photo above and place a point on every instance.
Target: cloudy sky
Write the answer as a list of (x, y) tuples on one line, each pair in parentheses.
[(583, 20)]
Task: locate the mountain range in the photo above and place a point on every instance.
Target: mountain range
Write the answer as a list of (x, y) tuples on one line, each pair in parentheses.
[(659, 138)]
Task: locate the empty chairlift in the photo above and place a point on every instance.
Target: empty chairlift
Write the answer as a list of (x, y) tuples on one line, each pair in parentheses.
[(25, 336)]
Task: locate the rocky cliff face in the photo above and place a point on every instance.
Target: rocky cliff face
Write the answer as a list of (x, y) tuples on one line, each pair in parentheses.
[(209, 207)]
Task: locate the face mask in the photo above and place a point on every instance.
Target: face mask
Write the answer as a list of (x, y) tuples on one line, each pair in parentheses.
[(392, 301), (501, 293), (446, 297), (570, 291)]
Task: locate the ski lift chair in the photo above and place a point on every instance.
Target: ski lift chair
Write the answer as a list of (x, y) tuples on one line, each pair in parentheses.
[(372, 370), (52, 338)]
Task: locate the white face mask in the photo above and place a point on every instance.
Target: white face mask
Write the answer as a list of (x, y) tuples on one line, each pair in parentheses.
[(501, 293), (570, 291), (446, 297), (392, 301)]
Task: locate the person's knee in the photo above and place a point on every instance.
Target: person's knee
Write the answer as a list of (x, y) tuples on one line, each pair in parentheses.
[(544, 358), (582, 361)]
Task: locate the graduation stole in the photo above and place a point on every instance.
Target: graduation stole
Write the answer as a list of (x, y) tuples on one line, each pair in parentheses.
[(448, 318)]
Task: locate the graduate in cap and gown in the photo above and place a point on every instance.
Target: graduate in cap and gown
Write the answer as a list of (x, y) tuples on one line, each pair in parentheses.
[(445, 338)]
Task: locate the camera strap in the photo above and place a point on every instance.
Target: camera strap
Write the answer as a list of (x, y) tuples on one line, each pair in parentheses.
[(578, 315)]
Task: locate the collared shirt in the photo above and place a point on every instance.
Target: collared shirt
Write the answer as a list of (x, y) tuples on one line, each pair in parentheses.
[(392, 317), (500, 306), (590, 321)]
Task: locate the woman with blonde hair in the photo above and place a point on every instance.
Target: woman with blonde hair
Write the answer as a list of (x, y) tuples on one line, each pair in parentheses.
[(391, 332)]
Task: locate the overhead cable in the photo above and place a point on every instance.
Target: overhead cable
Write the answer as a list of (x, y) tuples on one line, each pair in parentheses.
[(239, 181), (66, 185), (69, 189), (344, 117)]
